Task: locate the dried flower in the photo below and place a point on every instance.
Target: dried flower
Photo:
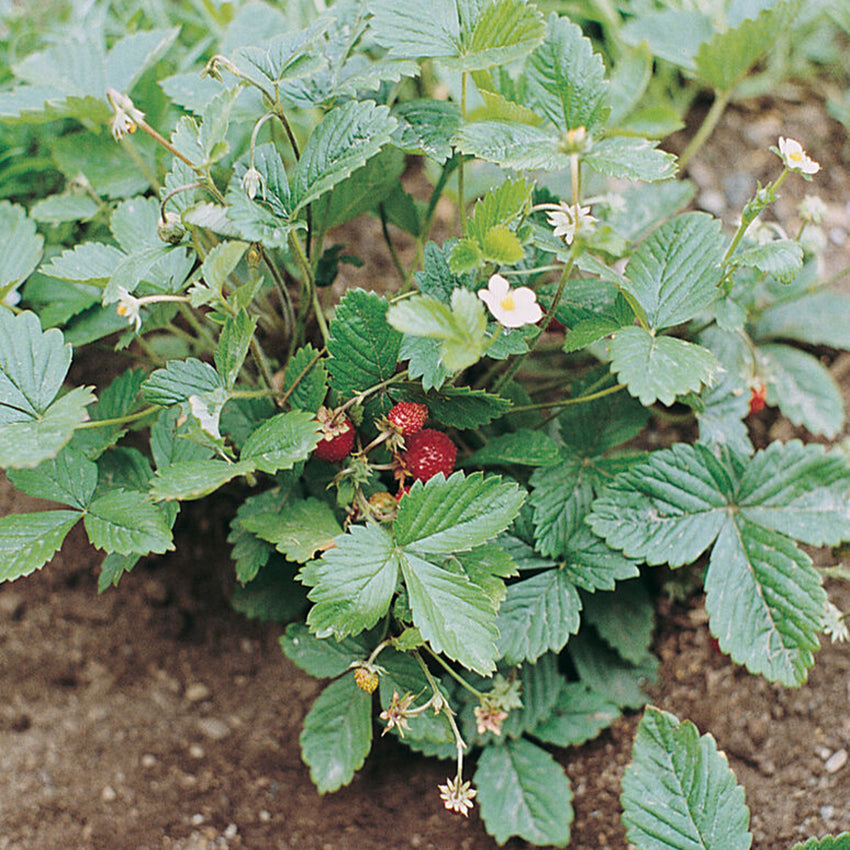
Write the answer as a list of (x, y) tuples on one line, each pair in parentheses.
[(457, 796), (795, 158), (812, 209), (567, 222), (129, 307), (489, 718), (126, 117), (512, 308), (833, 624), (396, 713)]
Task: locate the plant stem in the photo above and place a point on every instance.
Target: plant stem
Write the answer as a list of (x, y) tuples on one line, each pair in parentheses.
[(310, 282), (393, 253), (300, 377), (119, 420), (706, 128), (566, 402), (461, 207)]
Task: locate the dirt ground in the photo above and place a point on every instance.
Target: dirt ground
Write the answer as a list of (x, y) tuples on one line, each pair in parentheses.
[(154, 716)]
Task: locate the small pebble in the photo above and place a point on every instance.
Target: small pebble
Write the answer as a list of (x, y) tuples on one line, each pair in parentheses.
[(148, 760), (265, 816), (197, 819), (231, 832), (827, 812), (213, 728), (198, 692), (196, 751), (836, 761), (108, 794)]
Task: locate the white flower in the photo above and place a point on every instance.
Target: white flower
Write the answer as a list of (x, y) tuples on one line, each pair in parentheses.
[(833, 625), (126, 117), (252, 182), (512, 308), (565, 221), (129, 307), (795, 158), (457, 796)]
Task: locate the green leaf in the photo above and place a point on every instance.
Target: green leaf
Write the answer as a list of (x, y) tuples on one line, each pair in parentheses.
[(364, 348), (524, 447), (436, 277), (803, 389), (179, 380), (20, 248), (170, 443), (56, 209), (675, 272), (125, 521), (511, 145), (523, 791), (625, 619), (454, 614), (672, 34), (764, 599), (337, 734), (113, 567), (220, 262), (659, 368), (425, 362), (541, 683), (281, 442), (426, 127), (630, 158), (249, 552), (456, 514), (579, 715), (233, 344), (307, 368), (300, 531), (323, 658), (284, 57), (193, 479), (353, 584), (460, 407), (591, 564), (782, 259), (86, 261), (345, 140), (828, 842), (566, 79), (725, 58), (28, 541), (817, 318), (538, 616), (68, 478), (679, 791)]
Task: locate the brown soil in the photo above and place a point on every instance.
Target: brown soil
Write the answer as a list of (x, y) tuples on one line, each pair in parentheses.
[(154, 717)]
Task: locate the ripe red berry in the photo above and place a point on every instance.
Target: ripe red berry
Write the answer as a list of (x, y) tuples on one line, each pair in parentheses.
[(337, 436), (758, 397), (429, 452), (408, 417)]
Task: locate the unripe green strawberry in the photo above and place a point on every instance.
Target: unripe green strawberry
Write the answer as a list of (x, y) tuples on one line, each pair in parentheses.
[(429, 452), (337, 436), (408, 417)]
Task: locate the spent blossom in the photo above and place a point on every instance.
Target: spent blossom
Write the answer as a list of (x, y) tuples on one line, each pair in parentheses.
[(129, 307), (489, 718), (833, 623), (793, 156), (396, 713), (457, 795), (567, 220), (126, 117), (512, 308)]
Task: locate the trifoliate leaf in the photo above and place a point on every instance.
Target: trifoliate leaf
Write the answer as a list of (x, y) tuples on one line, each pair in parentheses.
[(300, 531), (337, 734), (659, 368), (28, 541), (523, 791), (679, 791), (363, 346), (444, 516), (126, 522), (579, 715), (353, 584)]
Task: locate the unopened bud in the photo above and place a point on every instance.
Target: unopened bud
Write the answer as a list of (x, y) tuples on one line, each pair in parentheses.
[(170, 229), (252, 182)]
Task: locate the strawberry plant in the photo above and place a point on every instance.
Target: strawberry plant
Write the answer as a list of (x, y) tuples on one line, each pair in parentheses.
[(483, 584)]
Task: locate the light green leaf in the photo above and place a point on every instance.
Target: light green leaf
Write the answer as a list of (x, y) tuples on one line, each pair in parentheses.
[(337, 734), (113, 567), (363, 346), (455, 615), (86, 261), (125, 521), (179, 380), (631, 159), (501, 205), (566, 79), (679, 791), (220, 262), (672, 34), (538, 616), (353, 584), (659, 368), (344, 141), (782, 259), (579, 715), (20, 247), (523, 791), (193, 479), (281, 442), (233, 344), (818, 318), (299, 531), (426, 127), (803, 389), (828, 842), (56, 209), (457, 514), (28, 541), (764, 600), (524, 447), (516, 146), (506, 30), (307, 368), (323, 658), (68, 478)]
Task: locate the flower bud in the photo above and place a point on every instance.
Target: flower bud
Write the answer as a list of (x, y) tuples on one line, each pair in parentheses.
[(252, 182), (170, 229)]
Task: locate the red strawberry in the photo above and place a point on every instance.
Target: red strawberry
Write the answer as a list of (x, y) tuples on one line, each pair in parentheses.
[(337, 436), (429, 452), (408, 417), (758, 397)]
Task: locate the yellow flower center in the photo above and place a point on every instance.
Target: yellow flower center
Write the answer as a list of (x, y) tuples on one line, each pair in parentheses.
[(795, 156), (507, 303), (122, 310)]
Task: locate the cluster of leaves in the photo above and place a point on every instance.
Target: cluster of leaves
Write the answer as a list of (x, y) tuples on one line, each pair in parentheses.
[(519, 582)]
